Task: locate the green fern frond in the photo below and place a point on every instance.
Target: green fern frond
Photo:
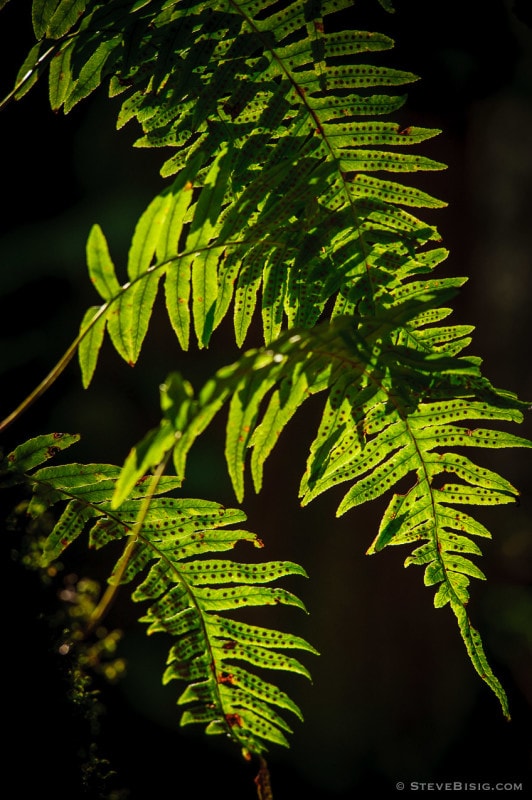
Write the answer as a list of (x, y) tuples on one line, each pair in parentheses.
[(272, 117), (395, 442), (185, 593), (390, 417)]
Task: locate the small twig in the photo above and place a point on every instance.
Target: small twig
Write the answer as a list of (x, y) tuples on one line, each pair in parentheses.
[(112, 589), (54, 373), (37, 67), (262, 781)]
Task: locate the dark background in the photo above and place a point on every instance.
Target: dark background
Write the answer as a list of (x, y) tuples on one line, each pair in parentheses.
[(394, 697)]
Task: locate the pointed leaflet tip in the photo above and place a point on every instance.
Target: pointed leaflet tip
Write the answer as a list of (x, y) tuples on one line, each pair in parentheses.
[(478, 658)]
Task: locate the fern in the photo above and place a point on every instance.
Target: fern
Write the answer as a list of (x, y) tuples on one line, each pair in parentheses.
[(276, 143), (286, 202), (167, 540), (378, 428)]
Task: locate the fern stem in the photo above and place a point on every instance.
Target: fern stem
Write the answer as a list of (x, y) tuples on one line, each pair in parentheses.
[(42, 387), (262, 781), (317, 125), (54, 373), (41, 63), (112, 589), (67, 357)]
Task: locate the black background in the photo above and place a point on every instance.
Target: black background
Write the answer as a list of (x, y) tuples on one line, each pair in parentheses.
[(394, 697)]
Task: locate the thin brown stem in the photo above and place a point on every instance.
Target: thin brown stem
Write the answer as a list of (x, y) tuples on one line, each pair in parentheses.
[(54, 373), (112, 590), (263, 782)]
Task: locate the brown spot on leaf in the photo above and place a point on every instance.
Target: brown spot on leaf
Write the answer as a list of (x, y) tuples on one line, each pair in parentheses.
[(234, 719)]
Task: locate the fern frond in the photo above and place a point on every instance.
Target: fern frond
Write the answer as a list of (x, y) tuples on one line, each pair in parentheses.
[(283, 108), (168, 541), (398, 441), (390, 419)]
